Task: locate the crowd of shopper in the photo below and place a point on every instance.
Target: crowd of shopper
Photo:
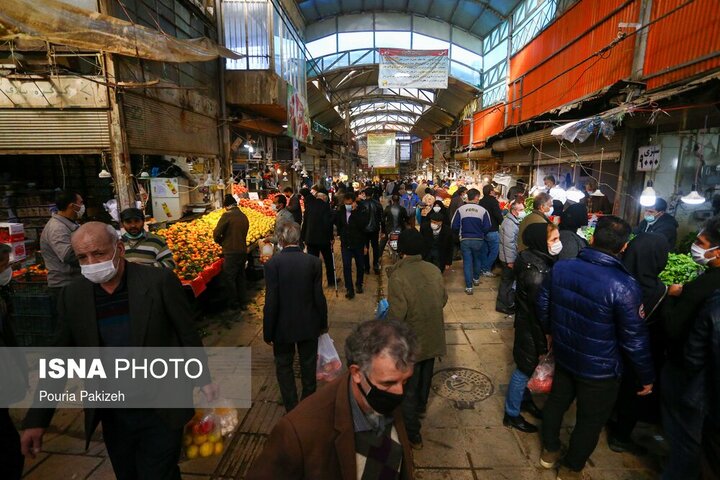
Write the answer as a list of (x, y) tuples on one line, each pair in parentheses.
[(626, 346)]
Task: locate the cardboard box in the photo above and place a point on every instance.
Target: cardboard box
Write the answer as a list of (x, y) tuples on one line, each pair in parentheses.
[(18, 251), (11, 232)]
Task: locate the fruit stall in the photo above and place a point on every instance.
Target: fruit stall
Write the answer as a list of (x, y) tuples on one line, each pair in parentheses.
[(195, 252)]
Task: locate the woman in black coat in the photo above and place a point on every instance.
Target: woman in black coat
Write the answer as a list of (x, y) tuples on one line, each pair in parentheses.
[(438, 241), (531, 268), (573, 218)]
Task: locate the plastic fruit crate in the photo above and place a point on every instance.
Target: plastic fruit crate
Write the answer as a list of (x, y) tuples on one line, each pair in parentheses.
[(33, 304), (34, 330)]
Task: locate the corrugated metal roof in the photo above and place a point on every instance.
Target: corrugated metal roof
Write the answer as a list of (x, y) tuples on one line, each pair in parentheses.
[(477, 17)]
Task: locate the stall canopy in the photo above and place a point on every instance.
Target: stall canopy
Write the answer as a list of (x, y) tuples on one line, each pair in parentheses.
[(60, 23)]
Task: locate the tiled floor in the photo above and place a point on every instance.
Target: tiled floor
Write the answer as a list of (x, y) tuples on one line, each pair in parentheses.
[(462, 439)]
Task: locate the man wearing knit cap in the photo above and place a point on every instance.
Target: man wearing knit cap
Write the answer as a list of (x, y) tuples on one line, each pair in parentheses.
[(141, 246), (416, 294)]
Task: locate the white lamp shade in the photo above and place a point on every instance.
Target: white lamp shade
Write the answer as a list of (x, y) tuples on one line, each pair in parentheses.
[(597, 193), (574, 195), (558, 193), (648, 197), (104, 174), (693, 198)]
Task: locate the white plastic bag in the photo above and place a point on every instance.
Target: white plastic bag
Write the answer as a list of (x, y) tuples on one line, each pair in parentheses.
[(329, 365)]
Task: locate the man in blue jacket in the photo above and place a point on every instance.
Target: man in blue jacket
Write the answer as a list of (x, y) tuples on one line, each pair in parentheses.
[(592, 308), (472, 222)]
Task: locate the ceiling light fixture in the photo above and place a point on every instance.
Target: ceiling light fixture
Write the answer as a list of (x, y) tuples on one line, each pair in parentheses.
[(648, 196)]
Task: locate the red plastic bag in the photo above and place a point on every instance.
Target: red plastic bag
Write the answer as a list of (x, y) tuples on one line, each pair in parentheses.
[(542, 378)]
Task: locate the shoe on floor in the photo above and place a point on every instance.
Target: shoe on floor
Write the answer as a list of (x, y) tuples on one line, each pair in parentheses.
[(550, 459), (530, 407), (469, 291), (565, 473), (506, 311), (377, 270), (476, 282), (350, 295), (367, 271), (519, 423), (358, 289), (621, 446), (416, 442), (489, 275)]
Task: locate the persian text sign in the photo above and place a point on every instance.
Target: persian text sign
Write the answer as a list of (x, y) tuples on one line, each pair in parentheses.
[(648, 158), (381, 150), (413, 68)]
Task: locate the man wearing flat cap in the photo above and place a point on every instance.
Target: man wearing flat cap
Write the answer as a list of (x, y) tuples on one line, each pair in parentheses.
[(416, 294), (143, 247)]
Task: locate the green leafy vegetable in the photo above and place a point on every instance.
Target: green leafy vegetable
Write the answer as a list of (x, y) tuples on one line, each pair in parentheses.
[(681, 268)]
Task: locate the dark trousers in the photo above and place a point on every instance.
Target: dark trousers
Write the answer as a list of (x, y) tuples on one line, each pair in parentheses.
[(506, 293), (710, 466), (11, 460), (417, 391), (140, 445), (348, 254), (284, 357), (595, 401), (234, 270), (683, 412), (327, 255), (434, 258), (372, 242)]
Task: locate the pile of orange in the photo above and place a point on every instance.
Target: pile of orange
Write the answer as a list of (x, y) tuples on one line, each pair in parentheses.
[(33, 272), (192, 242)]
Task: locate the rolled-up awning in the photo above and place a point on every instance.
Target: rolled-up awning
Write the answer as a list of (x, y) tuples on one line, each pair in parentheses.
[(60, 23)]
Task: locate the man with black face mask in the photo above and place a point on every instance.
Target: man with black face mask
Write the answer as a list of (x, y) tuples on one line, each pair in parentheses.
[(141, 246), (352, 427)]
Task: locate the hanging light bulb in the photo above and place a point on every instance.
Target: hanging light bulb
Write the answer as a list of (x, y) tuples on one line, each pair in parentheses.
[(648, 196), (597, 193), (693, 198), (574, 195)]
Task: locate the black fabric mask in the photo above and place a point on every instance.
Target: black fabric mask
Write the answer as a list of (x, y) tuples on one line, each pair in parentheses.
[(381, 401)]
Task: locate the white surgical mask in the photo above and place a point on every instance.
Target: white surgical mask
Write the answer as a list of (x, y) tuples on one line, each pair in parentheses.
[(550, 212), (436, 209), (5, 276), (348, 208), (521, 215), (698, 254), (555, 248), (435, 226), (650, 218), (100, 272), (81, 210), (465, 198)]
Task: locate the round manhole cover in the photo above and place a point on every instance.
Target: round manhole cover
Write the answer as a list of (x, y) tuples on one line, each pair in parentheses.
[(462, 385)]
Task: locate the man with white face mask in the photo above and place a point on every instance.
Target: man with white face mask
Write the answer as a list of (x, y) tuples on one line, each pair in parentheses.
[(509, 228), (122, 304), (683, 420), (55, 245)]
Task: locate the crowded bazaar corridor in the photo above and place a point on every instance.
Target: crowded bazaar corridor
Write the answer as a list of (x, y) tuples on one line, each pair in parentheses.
[(464, 437)]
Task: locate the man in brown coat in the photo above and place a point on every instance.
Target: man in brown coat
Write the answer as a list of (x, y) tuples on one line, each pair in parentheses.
[(231, 234), (352, 428)]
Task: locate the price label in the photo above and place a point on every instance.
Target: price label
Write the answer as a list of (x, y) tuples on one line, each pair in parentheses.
[(648, 158)]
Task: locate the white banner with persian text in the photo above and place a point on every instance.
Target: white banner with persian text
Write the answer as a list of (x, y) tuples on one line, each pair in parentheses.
[(381, 150), (413, 68)]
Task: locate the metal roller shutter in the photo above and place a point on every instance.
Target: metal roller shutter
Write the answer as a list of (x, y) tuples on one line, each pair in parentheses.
[(53, 131)]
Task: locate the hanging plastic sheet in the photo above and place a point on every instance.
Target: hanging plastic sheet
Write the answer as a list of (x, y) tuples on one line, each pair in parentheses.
[(60, 23), (581, 130)]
